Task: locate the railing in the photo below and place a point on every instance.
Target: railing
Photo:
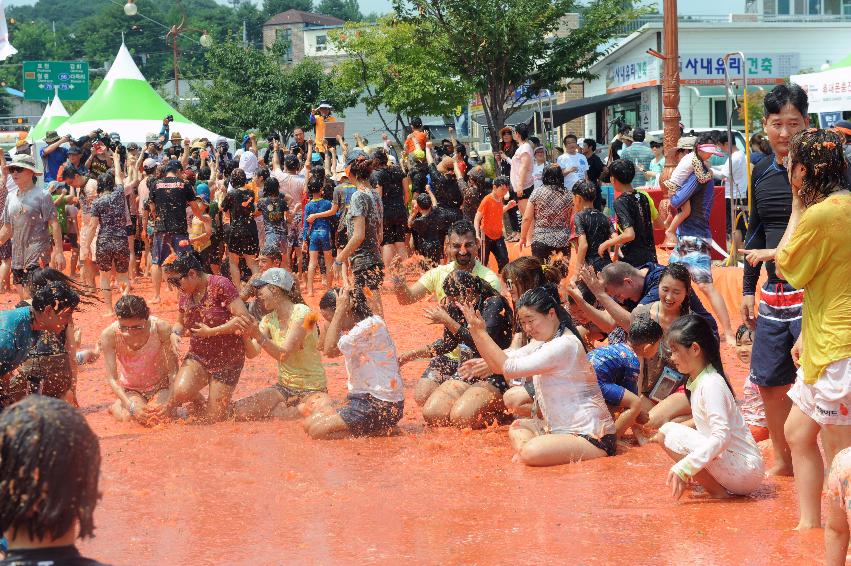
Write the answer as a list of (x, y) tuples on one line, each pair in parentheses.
[(637, 23)]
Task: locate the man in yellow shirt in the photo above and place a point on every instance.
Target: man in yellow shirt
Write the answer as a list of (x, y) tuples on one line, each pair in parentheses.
[(814, 255), (463, 254)]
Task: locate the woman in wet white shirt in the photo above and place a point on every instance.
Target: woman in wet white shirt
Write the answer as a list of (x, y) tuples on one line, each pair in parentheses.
[(570, 421)]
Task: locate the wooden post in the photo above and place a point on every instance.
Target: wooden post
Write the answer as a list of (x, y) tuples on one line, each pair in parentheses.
[(670, 88)]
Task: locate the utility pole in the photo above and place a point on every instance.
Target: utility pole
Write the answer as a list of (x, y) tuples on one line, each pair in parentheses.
[(244, 35), (670, 88)]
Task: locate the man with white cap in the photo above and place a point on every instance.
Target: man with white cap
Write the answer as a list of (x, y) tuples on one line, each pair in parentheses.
[(318, 118), (30, 216)]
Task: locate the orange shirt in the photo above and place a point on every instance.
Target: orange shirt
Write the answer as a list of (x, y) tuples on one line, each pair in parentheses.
[(491, 211), (320, 131), (421, 139)]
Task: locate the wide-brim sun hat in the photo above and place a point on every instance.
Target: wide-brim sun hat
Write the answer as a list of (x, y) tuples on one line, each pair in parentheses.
[(24, 161)]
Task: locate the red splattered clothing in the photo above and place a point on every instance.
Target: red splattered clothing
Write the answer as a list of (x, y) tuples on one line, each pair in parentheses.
[(225, 353)]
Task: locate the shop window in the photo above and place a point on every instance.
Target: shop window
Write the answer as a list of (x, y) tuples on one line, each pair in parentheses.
[(719, 115), (783, 7)]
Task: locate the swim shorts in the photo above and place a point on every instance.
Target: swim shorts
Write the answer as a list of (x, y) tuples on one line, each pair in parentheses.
[(366, 415), (320, 241), (109, 254), (693, 252), (394, 232), (293, 397), (828, 400), (227, 375), (371, 277), (777, 328), (440, 368), (166, 243)]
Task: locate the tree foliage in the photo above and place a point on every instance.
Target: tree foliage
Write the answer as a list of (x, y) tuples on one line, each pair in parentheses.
[(506, 46), (272, 7), (393, 68), (347, 10), (250, 90)]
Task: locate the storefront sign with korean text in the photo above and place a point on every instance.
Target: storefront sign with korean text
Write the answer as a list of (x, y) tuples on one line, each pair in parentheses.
[(762, 68)]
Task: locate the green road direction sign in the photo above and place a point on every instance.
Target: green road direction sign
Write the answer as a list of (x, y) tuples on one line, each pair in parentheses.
[(42, 77)]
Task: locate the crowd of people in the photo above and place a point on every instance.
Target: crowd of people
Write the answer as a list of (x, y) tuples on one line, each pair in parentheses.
[(582, 361)]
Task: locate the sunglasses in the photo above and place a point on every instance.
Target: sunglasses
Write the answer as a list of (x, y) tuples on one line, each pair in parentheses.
[(15, 169), (130, 328)]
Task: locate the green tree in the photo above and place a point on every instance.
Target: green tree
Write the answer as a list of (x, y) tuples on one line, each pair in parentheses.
[(394, 69), (272, 7), (510, 49), (347, 10), (250, 90)]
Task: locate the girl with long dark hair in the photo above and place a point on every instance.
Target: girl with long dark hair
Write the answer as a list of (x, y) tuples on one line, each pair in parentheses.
[(719, 453), (570, 421)]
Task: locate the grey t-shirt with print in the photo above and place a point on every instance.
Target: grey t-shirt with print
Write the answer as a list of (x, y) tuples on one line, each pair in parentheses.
[(365, 204), (30, 213)]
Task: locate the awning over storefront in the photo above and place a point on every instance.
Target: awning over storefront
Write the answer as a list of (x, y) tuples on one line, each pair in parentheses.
[(522, 116), (567, 111)]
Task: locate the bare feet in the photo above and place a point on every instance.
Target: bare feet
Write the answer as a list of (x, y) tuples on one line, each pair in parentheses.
[(805, 526)]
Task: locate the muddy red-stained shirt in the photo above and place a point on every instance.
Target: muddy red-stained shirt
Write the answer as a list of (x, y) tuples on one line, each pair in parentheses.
[(226, 351)]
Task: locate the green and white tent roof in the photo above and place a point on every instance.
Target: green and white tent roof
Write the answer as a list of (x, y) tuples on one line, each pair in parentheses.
[(126, 103), (54, 116)]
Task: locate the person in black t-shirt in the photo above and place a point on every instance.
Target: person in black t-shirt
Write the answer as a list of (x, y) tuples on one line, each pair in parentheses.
[(243, 239), (595, 168), (633, 212), (430, 226), (394, 187), (593, 228), (168, 201), (48, 482), (444, 183)]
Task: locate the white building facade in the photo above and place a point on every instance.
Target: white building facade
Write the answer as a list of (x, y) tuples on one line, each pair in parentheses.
[(629, 79)]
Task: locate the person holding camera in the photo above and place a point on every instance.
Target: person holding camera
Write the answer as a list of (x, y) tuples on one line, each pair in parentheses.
[(54, 154)]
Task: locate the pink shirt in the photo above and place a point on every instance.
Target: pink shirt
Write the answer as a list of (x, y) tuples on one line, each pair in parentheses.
[(143, 369)]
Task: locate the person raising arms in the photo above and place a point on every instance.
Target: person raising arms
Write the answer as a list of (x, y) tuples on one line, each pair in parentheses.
[(575, 423), (376, 397)]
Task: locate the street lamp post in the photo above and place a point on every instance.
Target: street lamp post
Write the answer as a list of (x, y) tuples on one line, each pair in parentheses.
[(670, 88)]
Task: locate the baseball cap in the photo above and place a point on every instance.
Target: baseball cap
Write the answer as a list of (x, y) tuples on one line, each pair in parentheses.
[(354, 154), (149, 163), (173, 165), (686, 142), (202, 191), (325, 104), (277, 276)]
